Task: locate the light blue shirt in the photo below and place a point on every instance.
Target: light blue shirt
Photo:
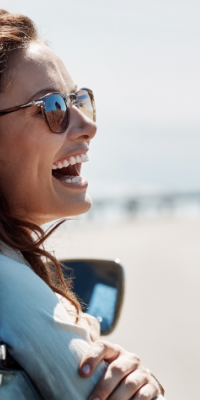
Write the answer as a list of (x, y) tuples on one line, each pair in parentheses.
[(40, 333)]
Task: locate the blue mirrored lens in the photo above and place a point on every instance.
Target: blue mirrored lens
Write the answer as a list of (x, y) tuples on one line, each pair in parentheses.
[(56, 112)]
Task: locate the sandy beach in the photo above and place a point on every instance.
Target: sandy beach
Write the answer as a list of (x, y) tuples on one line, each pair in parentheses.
[(160, 316)]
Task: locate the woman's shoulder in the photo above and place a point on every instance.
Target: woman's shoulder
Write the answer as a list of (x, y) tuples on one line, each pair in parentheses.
[(9, 257), (22, 288), (13, 272), (16, 272), (25, 294), (40, 333), (9, 263)]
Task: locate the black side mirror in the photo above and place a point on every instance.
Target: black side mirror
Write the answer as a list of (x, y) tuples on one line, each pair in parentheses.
[(100, 285)]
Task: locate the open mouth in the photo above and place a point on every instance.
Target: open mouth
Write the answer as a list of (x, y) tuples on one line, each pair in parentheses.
[(68, 170)]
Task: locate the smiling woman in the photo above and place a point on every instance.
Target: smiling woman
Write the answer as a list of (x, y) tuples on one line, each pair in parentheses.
[(32, 150), (46, 126), (38, 68)]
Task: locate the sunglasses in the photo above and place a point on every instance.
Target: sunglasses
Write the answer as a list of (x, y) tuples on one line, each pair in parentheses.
[(55, 108)]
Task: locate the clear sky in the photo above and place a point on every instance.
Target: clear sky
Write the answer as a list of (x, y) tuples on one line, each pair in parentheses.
[(142, 59)]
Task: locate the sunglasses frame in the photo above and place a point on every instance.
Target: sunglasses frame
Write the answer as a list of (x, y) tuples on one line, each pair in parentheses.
[(70, 98)]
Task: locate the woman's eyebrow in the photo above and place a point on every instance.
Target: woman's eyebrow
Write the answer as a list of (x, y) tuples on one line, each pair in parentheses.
[(42, 92)]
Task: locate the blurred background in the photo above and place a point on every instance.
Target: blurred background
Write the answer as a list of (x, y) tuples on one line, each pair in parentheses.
[(142, 60)]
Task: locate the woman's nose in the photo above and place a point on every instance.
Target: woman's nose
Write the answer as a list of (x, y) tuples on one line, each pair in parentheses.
[(80, 126)]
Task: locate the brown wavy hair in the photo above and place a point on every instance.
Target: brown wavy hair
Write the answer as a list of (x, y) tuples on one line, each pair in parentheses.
[(16, 32)]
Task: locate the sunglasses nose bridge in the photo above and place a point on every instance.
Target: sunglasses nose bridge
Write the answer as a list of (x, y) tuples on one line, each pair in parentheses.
[(71, 98)]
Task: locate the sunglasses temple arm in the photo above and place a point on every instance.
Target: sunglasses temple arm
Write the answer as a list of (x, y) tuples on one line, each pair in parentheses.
[(13, 109)]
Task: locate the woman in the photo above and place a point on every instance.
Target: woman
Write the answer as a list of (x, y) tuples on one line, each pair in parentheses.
[(45, 132)]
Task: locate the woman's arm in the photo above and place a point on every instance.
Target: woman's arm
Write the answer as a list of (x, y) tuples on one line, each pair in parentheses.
[(41, 336)]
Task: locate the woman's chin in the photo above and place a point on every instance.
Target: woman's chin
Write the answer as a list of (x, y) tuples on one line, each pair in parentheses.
[(67, 210), (76, 207), (83, 207)]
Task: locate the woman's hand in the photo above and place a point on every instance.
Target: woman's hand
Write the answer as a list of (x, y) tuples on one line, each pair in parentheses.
[(125, 376)]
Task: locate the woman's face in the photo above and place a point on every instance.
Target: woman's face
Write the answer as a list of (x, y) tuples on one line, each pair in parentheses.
[(28, 149)]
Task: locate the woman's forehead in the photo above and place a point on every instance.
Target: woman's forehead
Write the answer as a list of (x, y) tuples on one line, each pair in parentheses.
[(38, 68)]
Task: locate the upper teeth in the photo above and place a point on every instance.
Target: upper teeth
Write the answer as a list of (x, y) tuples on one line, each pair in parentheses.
[(70, 161)]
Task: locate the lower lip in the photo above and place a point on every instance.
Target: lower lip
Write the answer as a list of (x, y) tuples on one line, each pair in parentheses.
[(82, 184)]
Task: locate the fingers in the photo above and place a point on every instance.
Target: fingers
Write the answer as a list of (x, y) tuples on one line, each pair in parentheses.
[(150, 391), (116, 372), (125, 376), (125, 390), (100, 350)]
